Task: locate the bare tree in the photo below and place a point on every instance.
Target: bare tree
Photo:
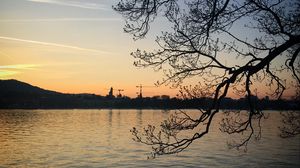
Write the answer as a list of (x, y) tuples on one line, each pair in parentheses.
[(262, 36), (291, 124)]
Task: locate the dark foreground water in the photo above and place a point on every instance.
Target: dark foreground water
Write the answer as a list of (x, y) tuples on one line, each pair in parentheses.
[(101, 138)]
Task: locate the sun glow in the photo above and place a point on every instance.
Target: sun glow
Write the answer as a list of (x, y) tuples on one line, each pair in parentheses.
[(77, 46)]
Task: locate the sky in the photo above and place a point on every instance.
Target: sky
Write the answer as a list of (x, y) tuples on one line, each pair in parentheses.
[(75, 46), (72, 46)]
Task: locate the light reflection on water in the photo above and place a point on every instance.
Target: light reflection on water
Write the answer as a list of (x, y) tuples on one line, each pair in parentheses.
[(101, 138)]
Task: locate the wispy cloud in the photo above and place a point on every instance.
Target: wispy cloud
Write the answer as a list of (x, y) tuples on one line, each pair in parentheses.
[(7, 73), (62, 20), (72, 3), (19, 66), (11, 70), (54, 44)]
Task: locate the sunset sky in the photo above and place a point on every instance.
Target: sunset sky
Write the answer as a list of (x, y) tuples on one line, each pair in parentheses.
[(73, 46)]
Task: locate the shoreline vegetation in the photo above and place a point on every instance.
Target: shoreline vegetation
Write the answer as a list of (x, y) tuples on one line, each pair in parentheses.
[(19, 95)]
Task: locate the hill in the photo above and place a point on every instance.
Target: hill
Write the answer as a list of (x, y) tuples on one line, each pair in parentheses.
[(17, 94), (8, 87)]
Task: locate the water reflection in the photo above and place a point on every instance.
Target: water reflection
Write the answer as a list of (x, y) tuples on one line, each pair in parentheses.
[(101, 138), (139, 118)]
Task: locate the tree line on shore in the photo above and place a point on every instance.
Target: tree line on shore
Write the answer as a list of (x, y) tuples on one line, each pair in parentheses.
[(15, 94)]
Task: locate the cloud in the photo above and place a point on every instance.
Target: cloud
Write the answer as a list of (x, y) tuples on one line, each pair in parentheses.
[(72, 3), (11, 70), (7, 73), (19, 66), (54, 44), (62, 20)]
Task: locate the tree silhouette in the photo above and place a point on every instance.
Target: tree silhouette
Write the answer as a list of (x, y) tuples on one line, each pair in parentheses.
[(262, 38)]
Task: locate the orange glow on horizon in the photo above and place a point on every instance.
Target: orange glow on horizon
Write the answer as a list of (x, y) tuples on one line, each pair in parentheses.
[(60, 51)]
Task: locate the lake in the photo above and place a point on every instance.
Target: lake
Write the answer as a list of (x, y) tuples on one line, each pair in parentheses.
[(101, 138)]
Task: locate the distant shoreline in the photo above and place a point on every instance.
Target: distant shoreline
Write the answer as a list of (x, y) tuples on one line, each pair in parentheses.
[(167, 109), (121, 109), (19, 95)]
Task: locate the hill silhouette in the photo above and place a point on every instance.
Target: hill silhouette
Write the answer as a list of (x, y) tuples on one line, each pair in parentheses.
[(14, 86), (17, 94)]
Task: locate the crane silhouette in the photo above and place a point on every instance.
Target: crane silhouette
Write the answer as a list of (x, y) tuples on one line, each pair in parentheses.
[(120, 90), (140, 93), (111, 92)]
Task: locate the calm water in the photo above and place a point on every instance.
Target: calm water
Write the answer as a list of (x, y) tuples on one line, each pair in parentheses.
[(101, 138)]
